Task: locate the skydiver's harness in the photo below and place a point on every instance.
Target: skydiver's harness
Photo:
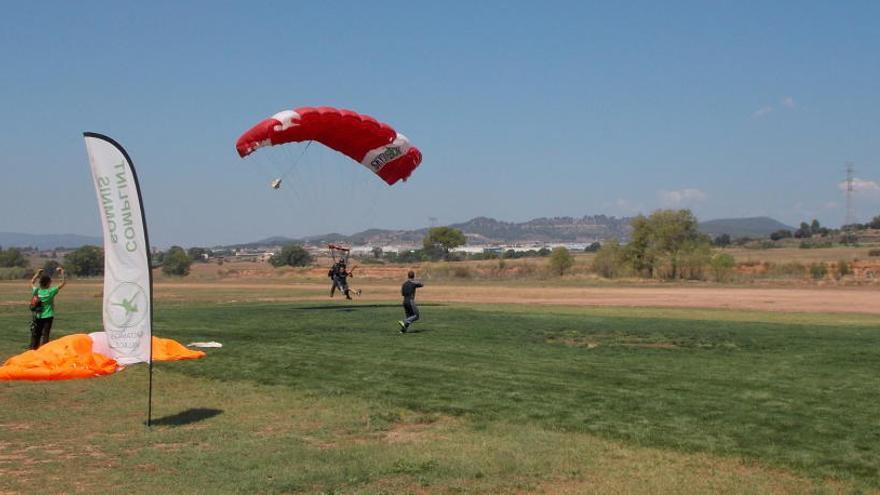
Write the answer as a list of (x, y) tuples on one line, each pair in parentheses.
[(338, 272), (36, 305)]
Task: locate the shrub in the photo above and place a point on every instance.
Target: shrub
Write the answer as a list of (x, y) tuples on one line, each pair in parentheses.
[(722, 265), (843, 268), (15, 273), (780, 234), (445, 270), (50, 266), (874, 252), (609, 261), (818, 271), (560, 261), (461, 271), (722, 240), (693, 259), (12, 257), (815, 244), (765, 244), (291, 255), (176, 262), (87, 261), (790, 269)]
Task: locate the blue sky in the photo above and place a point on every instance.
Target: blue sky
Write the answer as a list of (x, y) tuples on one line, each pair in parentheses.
[(520, 109)]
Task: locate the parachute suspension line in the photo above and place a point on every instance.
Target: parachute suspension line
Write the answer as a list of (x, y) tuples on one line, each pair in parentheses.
[(295, 162)]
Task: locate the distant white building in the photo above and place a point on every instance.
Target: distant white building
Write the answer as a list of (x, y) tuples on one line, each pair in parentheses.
[(361, 250)]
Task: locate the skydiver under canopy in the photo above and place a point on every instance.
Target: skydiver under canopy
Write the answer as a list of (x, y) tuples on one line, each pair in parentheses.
[(339, 273)]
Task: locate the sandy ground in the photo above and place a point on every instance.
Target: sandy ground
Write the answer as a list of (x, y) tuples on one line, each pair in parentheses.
[(820, 300)]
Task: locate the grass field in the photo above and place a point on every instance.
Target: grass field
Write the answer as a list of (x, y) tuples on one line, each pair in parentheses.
[(327, 397)]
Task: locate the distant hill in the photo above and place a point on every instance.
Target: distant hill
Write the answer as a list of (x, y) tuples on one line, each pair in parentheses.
[(743, 227), (482, 230), (47, 241)]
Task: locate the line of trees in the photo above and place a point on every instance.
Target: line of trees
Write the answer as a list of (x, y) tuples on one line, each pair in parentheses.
[(12, 258), (88, 261), (665, 245), (873, 224)]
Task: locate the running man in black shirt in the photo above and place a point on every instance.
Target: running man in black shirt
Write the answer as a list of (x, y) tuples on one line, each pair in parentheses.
[(408, 291)]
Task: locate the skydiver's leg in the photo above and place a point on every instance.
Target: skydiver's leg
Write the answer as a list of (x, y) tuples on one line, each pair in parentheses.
[(47, 327), (407, 310), (412, 312), (338, 283), (36, 329)]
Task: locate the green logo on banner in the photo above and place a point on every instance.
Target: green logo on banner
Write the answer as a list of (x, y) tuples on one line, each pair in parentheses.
[(127, 305)]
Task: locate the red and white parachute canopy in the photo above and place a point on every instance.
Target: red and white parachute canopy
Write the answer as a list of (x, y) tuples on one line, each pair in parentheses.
[(373, 144)]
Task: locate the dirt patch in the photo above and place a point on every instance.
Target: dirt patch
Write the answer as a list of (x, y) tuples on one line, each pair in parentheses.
[(593, 344), (403, 485), (419, 432), (652, 345), (572, 342), (781, 300), (171, 446), (14, 427)]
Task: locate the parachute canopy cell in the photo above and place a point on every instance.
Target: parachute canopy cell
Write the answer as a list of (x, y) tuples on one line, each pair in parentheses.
[(82, 356), (362, 138)]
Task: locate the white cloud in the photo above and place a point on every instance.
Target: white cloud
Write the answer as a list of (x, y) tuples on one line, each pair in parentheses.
[(862, 186), (762, 111), (831, 205), (627, 207), (681, 197), (787, 102)]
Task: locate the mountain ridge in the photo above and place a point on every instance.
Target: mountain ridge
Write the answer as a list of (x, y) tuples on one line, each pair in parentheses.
[(47, 241), (480, 230), (743, 227), (562, 229)]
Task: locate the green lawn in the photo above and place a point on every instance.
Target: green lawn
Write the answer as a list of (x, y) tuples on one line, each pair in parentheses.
[(305, 397)]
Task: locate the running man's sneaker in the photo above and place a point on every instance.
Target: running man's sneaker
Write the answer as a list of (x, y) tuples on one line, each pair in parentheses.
[(402, 326), (358, 292)]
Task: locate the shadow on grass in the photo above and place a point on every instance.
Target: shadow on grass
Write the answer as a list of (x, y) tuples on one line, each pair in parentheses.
[(187, 417), (417, 330), (352, 307)]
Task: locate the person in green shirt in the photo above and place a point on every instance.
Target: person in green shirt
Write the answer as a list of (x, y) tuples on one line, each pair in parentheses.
[(43, 318)]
